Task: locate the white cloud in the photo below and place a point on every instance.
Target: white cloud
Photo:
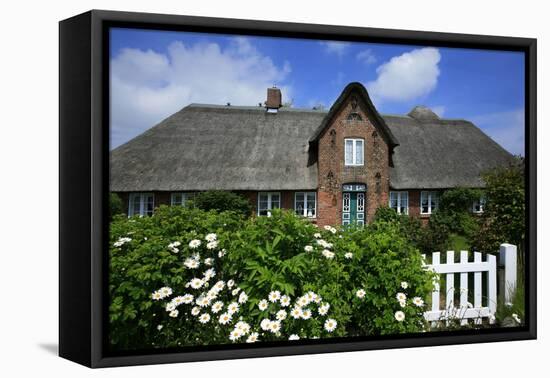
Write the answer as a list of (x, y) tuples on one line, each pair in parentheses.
[(336, 48), (366, 56), (406, 77), (506, 128), (147, 86)]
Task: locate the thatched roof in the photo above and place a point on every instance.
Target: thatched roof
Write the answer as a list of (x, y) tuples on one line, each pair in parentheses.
[(204, 147), (439, 153)]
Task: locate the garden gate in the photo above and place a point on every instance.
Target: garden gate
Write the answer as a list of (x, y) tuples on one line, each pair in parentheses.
[(476, 310)]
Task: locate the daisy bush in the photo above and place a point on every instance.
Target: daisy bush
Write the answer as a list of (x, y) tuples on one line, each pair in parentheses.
[(150, 256), (190, 277)]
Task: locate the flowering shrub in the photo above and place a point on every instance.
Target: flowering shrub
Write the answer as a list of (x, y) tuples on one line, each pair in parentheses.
[(189, 277)]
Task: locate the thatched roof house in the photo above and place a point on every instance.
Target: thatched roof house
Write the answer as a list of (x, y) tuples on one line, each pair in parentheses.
[(284, 151)]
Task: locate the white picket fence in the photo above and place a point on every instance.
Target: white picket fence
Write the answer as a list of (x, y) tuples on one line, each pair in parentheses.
[(476, 310)]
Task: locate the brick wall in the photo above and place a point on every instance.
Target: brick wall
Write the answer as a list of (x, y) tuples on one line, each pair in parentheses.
[(333, 173)]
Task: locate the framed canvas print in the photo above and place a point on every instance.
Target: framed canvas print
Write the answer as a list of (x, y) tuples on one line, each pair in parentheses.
[(234, 188)]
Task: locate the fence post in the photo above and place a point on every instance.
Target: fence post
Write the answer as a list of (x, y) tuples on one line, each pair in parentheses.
[(508, 260)]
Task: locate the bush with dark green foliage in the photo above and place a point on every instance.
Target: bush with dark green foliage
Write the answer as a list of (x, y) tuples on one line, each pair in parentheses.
[(503, 219), (321, 272), (115, 205), (220, 200)]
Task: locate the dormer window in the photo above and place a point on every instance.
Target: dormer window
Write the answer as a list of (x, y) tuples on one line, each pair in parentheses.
[(354, 152)]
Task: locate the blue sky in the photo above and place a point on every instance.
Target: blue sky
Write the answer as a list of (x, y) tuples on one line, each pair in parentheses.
[(156, 73)]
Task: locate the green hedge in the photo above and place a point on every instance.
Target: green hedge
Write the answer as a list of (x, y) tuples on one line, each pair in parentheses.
[(277, 277)]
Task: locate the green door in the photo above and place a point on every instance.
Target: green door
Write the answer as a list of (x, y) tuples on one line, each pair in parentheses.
[(353, 208)]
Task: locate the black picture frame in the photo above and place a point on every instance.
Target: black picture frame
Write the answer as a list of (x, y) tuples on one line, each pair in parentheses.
[(84, 181)]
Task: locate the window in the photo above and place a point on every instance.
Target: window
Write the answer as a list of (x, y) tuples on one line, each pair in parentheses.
[(429, 202), (305, 203), (179, 199), (354, 151), (268, 201), (479, 205), (141, 204), (399, 201)]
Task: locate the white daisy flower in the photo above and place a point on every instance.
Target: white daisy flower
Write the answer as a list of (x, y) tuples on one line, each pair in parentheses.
[(202, 301), (348, 255), (308, 248), (399, 316), (403, 303), (165, 291), (317, 235), (418, 302), (177, 300), (196, 283), (252, 338), (187, 298), (191, 263), (328, 254), (209, 273), (232, 308), (243, 298), (262, 305), (306, 314), (285, 301), (208, 261), (296, 312), (224, 318), (404, 284), (218, 286), (302, 301), (327, 227), (235, 335), (204, 318), (244, 327), (330, 325), (170, 307), (235, 291), (212, 244), (194, 243), (159, 327), (401, 297), (294, 337), (328, 245), (230, 283), (516, 318), (323, 310), (222, 253), (360, 293), (310, 295), (121, 241), (333, 230), (274, 296), (264, 324), (210, 237), (173, 313), (275, 326), (217, 307), (195, 311), (156, 296), (281, 315)]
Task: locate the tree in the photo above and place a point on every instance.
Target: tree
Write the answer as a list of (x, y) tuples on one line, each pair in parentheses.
[(503, 220)]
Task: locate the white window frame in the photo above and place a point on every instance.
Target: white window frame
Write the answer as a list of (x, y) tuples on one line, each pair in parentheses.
[(142, 203), (185, 196), (355, 142), (305, 211), (269, 202), (429, 195), (481, 203), (400, 197)]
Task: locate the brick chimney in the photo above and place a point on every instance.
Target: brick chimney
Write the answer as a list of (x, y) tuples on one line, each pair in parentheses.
[(273, 99)]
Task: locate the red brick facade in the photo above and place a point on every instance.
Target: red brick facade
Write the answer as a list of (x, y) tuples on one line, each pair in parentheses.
[(333, 173)]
